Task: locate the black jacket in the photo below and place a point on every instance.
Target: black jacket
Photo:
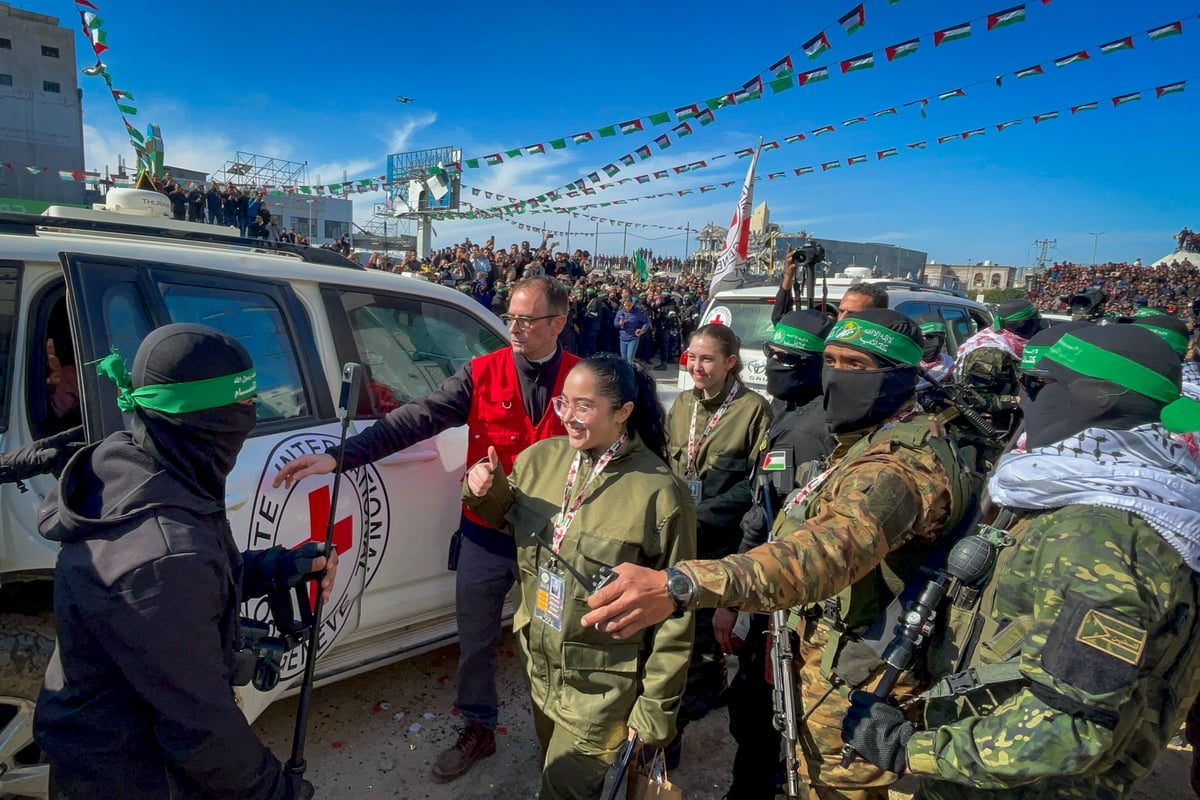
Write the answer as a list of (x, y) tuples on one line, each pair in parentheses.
[(137, 701)]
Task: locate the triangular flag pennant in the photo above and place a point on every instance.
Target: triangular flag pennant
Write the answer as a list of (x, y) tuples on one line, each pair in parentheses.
[(950, 34), (1009, 16), (854, 20)]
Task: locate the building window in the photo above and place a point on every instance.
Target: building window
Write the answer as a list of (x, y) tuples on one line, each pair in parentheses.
[(51, 86), (49, 52), (5, 44), (5, 80)]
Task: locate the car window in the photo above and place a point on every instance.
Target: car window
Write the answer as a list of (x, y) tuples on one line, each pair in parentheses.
[(750, 319), (979, 321), (912, 308), (8, 318), (959, 326), (255, 320), (410, 346)]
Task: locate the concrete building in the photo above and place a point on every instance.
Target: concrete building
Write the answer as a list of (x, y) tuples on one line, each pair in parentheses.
[(710, 240), (41, 120), (983, 276), (884, 260)]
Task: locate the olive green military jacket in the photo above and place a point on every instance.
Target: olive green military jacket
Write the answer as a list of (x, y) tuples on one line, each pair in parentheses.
[(1096, 610), (634, 511), (723, 460)]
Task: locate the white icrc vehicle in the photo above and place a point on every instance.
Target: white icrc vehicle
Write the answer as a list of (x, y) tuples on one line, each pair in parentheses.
[(94, 280)]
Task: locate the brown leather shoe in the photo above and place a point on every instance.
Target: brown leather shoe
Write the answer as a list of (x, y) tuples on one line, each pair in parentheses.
[(475, 741)]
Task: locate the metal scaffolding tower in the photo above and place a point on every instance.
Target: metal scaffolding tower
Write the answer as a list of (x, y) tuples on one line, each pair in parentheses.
[(251, 169)]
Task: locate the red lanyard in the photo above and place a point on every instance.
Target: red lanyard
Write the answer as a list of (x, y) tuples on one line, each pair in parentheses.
[(806, 490), (694, 446), (567, 516)]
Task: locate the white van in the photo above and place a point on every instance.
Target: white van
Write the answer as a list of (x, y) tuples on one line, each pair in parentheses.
[(748, 311), (98, 280)]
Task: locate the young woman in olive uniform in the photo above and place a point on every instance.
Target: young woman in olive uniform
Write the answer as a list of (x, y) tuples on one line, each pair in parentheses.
[(713, 432), (599, 496)]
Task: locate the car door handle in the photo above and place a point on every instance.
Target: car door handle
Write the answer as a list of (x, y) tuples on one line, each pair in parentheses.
[(236, 500), (409, 457)]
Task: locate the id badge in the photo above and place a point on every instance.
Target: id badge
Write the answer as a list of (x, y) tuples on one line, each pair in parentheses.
[(694, 487), (548, 606)]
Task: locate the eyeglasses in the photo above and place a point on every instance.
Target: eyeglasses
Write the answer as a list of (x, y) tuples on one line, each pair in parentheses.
[(523, 323), (581, 410), (782, 357)]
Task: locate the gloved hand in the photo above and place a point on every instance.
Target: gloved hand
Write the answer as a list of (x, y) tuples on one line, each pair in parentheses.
[(878, 730), (293, 566)]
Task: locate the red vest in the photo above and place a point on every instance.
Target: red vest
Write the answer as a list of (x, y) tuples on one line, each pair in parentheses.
[(497, 416)]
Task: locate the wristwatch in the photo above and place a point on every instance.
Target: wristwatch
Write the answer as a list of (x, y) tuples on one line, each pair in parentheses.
[(681, 589)]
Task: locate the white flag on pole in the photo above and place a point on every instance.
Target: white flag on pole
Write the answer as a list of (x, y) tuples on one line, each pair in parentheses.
[(731, 264)]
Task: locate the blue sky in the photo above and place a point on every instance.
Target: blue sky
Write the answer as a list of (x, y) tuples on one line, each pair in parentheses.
[(308, 82)]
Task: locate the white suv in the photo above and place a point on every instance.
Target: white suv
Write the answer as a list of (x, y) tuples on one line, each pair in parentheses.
[(99, 280), (748, 312)]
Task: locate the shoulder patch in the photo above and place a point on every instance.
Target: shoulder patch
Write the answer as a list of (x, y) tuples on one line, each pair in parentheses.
[(1112, 635)]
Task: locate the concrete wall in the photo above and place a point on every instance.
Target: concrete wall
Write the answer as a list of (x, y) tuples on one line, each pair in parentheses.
[(38, 127)]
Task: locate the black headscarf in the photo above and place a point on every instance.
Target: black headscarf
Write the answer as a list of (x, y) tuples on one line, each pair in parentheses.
[(797, 385), (197, 447)]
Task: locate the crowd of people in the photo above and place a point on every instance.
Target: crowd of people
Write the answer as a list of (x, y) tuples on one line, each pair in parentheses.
[(1125, 287), (1068, 652), (1187, 240)]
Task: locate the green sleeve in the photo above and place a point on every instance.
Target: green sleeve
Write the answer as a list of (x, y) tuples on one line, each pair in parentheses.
[(1094, 599), (669, 644), (493, 506)]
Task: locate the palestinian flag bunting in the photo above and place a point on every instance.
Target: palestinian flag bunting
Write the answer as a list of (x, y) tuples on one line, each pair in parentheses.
[(1009, 16), (854, 20), (632, 126), (816, 46), (1001, 126), (975, 132), (885, 112), (782, 84), (813, 75), (1117, 46), (1084, 107), (852, 160), (783, 68), (580, 138), (682, 129), (865, 61), (824, 129), (1043, 117), (493, 159), (952, 93), (916, 146), (803, 171), (1122, 99), (663, 142), (1170, 88), (853, 121), (643, 152), (888, 153), (1082, 55), (687, 112), (796, 137), (950, 34), (828, 165), (535, 149), (901, 50), (1163, 31), (1036, 69)]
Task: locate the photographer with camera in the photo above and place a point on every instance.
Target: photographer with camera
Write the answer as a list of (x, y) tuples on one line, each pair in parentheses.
[(138, 702)]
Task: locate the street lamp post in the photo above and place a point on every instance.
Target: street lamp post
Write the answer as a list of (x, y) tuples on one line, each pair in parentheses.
[(1095, 244)]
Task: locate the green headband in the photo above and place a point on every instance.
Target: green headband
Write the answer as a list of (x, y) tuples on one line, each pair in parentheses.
[(797, 339), (1177, 340), (1016, 316), (1031, 355), (876, 339), (933, 327), (176, 398), (1181, 414), (1146, 311)]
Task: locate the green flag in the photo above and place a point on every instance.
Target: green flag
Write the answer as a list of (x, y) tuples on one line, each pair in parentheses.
[(639, 263)]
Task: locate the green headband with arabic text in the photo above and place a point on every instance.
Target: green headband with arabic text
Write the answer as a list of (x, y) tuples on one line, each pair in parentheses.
[(876, 339), (176, 398), (1177, 340), (796, 339), (1018, 315), (1181, 414)]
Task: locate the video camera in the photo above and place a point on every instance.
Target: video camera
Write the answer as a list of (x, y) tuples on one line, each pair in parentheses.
[(259, 654), (810, 253), (1087, 305)]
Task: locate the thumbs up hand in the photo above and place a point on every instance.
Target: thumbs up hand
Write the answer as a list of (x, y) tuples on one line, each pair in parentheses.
[(482, 474)]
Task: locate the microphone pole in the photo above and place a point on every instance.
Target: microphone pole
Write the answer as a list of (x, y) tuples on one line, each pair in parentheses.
[(347, 405)]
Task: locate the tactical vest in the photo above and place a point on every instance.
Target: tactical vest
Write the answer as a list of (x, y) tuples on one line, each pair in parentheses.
[(978, 656), (862, 618)]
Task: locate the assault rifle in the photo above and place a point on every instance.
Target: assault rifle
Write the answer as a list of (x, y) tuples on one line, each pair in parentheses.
[(783, 692)]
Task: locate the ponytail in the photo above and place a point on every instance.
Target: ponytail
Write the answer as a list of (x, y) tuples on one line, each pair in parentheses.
[(622, 382)]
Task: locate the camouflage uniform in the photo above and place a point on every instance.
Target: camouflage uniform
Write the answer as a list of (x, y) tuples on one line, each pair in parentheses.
[(862, 534), (1099, 615)]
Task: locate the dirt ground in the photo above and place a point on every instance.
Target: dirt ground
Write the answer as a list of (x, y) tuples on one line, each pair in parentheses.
[(377, 735)]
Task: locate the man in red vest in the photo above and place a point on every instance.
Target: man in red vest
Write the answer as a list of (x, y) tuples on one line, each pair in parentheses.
[(480, 396)]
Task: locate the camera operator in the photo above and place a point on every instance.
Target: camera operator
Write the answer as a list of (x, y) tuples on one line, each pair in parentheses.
[(137, 702)]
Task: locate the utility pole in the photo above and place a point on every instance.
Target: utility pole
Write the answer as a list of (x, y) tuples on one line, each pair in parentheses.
[(1044, 245), (687, 238), (624, 240), (1095, 244), (597, 253), (568, 236)]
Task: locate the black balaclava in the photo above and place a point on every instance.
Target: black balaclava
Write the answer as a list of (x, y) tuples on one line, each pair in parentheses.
[(802, 383), (197, 447), (1073, 402), (934, 331), (857, 399)]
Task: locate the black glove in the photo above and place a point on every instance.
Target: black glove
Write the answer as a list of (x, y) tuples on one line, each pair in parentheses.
[(878, 731), (294, 566)]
